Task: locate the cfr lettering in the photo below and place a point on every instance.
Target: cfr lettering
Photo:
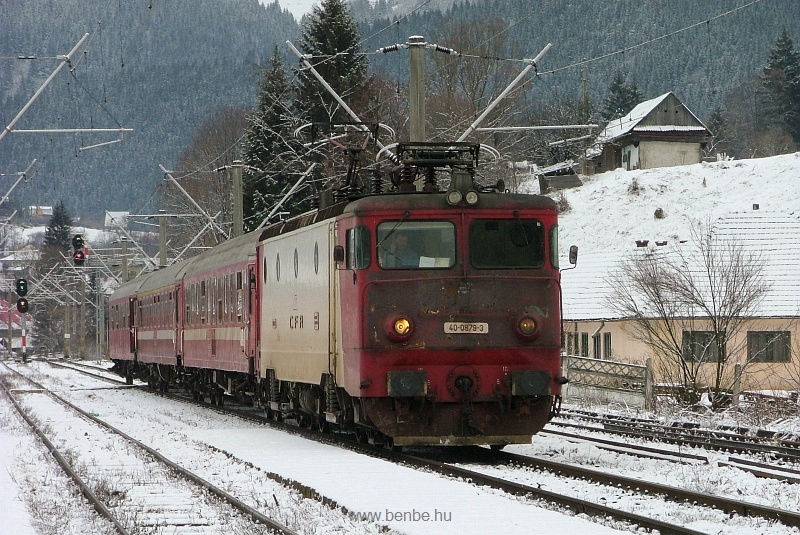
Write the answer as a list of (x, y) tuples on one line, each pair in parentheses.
[(295, 322)]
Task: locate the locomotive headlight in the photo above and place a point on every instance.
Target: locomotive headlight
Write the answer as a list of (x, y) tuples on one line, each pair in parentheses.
[(454, 197), (402, 326), (399, 329), (471, 197), (527, 327)]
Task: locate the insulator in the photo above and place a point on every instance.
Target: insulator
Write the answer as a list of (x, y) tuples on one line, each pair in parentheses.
[(341, 194), (407, 175), (376, 182)]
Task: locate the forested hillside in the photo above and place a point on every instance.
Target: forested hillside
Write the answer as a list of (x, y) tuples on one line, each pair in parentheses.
[(701, 64), (162, 68)]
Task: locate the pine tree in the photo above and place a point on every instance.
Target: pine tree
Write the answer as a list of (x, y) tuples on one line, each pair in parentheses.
[(270, 153), (622, 98), (330, 34), (781, 81), (720, 128), (57, 235), (48, 331)]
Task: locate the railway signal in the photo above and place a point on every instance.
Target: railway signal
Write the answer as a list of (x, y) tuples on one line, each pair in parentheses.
[(22, 287), (78, 255), (22, 290)]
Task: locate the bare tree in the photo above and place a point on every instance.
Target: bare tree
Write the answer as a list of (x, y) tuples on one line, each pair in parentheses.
[(204, 173), (688, 305)]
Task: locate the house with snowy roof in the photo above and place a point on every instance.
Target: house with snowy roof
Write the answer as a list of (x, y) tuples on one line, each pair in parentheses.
[(767, 344), (661, 132)]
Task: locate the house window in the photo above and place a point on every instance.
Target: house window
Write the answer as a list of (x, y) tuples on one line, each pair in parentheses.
[(769, 346), (699, 346), (584, 344), (596, 349), (607, 346)]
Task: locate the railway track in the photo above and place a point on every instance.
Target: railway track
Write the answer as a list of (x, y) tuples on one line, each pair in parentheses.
[(456, 468), (686, 434), (136, 488), (768, 470)]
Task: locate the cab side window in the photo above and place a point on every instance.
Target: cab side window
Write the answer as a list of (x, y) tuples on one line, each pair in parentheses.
[(358, 247)]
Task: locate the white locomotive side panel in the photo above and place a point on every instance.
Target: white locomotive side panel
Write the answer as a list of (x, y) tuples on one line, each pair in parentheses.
[(296, 301)]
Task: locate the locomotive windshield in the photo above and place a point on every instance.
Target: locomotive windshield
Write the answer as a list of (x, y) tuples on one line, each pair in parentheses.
[(416, 245), (506, 243)]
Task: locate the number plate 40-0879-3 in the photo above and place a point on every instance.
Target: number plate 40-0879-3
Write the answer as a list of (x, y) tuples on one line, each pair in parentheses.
[(463, 327)]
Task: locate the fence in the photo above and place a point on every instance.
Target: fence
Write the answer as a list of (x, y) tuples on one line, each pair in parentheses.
[(607, 380)]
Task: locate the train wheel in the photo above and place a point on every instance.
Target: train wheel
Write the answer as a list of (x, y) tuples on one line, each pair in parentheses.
[(388, 443), (361, 435)]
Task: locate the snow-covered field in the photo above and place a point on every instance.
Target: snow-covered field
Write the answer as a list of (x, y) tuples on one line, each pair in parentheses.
[(248, 459)]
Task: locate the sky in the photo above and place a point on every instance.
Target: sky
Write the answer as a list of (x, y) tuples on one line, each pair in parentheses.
[(298, 8)]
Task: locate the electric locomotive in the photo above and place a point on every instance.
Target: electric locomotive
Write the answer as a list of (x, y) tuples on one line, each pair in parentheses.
[(428, 314)]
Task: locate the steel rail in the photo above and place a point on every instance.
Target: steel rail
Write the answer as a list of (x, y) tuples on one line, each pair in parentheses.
[(229, 498), (581, 506), (98, 505)]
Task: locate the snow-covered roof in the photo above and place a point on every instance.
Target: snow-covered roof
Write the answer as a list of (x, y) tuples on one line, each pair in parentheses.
[(617, 128), (116, 219), (775, 238), (754, 202)]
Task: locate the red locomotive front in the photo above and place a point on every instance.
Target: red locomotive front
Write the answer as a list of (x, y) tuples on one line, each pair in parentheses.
[(451, 316)]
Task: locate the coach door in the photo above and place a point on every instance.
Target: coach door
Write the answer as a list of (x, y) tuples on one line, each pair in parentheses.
[(132, 323), (177, 337), (250, 306)]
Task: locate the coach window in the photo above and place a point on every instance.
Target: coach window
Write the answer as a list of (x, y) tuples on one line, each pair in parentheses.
[(506, 243), (203, 298), (225, 298), (358, 247), (239, 293), (220, 287), (416, 245)]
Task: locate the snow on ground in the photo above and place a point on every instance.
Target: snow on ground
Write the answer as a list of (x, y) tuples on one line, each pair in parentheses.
[(246, 451), (15, 443), (606, 216)]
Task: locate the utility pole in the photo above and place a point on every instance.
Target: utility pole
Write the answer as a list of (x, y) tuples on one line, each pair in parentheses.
[(162, 239), (416, 89), (100, 325), (67, 327), (82, 322), (24, 339), (238, 200), (124, 259), (10, 344)]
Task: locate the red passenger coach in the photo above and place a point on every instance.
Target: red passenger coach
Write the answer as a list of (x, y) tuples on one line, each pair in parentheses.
[(190, 323), (219, 336)]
